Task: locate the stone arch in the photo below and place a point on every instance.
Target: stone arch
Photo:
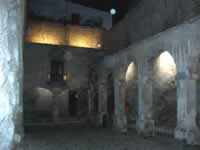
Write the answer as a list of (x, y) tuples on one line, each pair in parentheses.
[(131, 99), (163, 75)]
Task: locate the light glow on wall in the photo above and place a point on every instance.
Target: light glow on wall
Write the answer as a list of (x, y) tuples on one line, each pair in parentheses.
[(130, 73), (165, 68), (45, 33), (58, 34), (84, 37)]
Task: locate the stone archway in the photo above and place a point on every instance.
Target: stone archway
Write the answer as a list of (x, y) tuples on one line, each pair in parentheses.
[(164, 93), (131, 103)]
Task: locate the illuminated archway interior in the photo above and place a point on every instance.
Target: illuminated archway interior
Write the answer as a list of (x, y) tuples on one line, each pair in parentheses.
[(165, 68), (131, 94), (130, 73), (164, 94)]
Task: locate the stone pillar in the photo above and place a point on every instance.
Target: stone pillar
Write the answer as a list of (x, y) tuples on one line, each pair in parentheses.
[(187, 75), (187, 110), (102, 90), (120, 120), (11, 68), (90, 105), (145, 121), (91, 99)]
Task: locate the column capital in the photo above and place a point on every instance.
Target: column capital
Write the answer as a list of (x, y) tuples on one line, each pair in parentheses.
[(181, 76), (187, 76)]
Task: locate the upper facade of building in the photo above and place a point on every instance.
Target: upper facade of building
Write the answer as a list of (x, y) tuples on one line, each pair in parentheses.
[(69, 13)]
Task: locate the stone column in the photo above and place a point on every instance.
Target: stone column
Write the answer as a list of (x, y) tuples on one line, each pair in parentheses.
[(91, 99), (145, 121), (120, 120), (187, 61), (187, 128), (11, 68), (102, 90)]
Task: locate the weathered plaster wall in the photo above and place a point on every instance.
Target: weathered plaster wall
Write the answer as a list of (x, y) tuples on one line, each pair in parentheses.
[(11, 66), (151, 17)]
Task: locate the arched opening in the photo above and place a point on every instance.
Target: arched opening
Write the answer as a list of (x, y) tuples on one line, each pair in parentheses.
[(38, 105), (164, 93), (131, 95), (110, 99), (73, 103)]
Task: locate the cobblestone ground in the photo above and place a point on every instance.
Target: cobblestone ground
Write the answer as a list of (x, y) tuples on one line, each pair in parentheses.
[(96, 139)]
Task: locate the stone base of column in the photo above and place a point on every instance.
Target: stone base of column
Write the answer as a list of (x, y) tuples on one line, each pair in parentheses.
[(145, 127), (120, 124), (180, 133), (191, 137)]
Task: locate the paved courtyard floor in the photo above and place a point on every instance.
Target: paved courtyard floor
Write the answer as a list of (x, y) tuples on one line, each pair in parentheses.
[(76, 138)]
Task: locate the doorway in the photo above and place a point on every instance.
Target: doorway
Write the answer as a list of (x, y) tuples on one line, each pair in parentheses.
[(73, 103)]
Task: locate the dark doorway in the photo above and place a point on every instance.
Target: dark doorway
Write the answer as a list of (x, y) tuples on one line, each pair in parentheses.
[(110, 99), (73, 103), (96, 103)]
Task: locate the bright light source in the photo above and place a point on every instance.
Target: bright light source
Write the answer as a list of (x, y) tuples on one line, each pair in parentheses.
[(65, 77), (99, 45), (113, 11)]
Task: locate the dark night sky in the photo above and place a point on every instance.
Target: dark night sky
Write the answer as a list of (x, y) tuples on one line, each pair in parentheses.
[(120, 5)]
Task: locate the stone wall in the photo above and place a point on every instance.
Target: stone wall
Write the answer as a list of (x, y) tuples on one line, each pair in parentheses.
[(37, 64), (43, 32), (41, 96), (11, 66), (149, 18)]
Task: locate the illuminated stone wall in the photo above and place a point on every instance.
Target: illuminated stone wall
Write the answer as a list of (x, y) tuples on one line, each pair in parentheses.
[(58, 34), (164, 71), (46, 33), (84, 37)]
